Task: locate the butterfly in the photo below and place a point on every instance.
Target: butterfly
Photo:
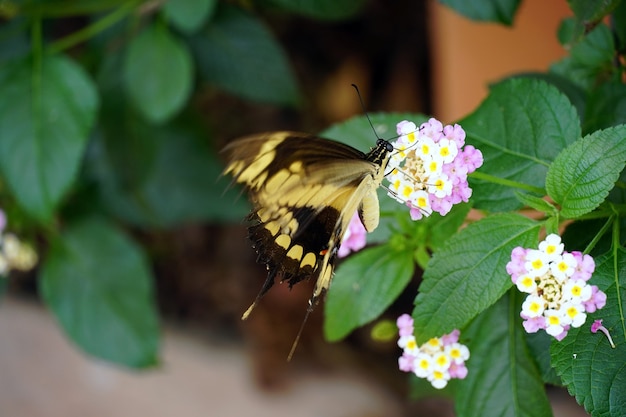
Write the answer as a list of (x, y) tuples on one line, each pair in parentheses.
[(304, 191)]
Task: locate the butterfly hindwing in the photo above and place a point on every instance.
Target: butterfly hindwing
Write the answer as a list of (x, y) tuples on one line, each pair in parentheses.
[(304, 190)]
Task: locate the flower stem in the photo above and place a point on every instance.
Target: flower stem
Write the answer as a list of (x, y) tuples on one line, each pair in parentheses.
[(90, 31)]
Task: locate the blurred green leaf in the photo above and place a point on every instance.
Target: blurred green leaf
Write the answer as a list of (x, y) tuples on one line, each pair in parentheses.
[(589, 12), (591, 59), (606, 107), (98, 284), (364, 286), (161, 177), (581, 177), (68, 8), (539, 346), (520, 128), (47, 109), (502, 375), (468, 274), (158, 72), (189, 15), (589, 367), (497, 11), (238, 53)]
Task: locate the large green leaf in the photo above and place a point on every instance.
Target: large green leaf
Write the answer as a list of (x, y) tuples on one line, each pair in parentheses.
[(158, 72), (239, 54), (592, 371), (363, 287), (98, 284), (520, 128), (47, 108), (583, 174), (502, 379), (468, 274)]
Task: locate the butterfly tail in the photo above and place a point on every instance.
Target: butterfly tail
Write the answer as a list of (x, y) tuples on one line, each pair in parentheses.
[(266, 287)]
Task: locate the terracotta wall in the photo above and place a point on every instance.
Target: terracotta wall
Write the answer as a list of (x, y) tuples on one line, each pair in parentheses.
[(467, 56)]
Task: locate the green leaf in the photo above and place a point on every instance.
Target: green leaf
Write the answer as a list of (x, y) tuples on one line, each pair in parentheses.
[(239, 54), (158, 73), (364, 286), (98, 284), (441, 228), (357, 131), (591, 60), (46, 113), (161, 177), (606, 107), (583, 174), (575, 94), (589, 12), (596, 49), (618, 24), (497, 11), (322, 9), (468, 274), (520, 128), (539, 345), (536, 203), (502, 378), (189, 15), (592, 371)]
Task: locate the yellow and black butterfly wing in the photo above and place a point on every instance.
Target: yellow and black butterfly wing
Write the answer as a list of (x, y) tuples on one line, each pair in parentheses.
[(305, 191)]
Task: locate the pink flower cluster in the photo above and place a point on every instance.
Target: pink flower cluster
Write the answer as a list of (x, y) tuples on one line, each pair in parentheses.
[(429, 170), (354, 238), (559, 296), (438, 360)]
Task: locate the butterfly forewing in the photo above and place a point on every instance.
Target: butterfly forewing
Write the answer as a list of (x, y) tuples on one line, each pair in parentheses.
[(304, 190)]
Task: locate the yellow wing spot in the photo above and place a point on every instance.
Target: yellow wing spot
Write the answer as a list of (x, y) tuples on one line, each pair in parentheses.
[(258, 182), (255, 168), (272, 227), (273, 184), (296, 167), (235, 168), (309, 260), (295, 252), (283, 241), (292, 226)]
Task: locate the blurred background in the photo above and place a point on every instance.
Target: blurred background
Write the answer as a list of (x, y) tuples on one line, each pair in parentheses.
[(405, 56)]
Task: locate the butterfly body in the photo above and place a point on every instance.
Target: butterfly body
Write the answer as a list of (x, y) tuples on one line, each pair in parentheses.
[(304, 190)]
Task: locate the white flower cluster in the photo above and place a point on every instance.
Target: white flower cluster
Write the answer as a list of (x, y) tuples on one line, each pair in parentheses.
[(559, 296), (438, 360), (14, 254), (429, 170)]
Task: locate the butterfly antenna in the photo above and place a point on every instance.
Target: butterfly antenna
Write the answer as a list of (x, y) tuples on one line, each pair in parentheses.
[(297, 339), (358, 93)]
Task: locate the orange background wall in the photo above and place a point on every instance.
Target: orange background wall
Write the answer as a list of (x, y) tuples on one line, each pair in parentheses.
[(467, 56)]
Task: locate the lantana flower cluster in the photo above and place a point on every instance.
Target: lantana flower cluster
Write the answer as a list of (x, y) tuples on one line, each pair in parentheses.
[(559, 296), (430, 166), (438, 360), (14, 254)]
